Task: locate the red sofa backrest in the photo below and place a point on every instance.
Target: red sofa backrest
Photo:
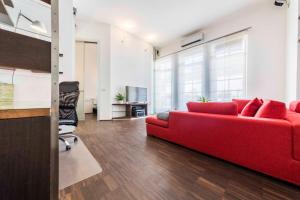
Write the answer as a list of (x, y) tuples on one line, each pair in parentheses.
[(222, 108), (241, 103)]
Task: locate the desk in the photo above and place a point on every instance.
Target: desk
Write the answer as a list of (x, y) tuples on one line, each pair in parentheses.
[(25, 150), (128, 109), (16, 110)]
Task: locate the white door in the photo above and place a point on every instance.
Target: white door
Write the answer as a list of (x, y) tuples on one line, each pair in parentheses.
[(80, 77), (90, 66), (86, 74)]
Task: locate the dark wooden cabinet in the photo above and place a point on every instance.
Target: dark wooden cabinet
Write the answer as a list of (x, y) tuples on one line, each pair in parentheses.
[(23, 52), (25, 158)]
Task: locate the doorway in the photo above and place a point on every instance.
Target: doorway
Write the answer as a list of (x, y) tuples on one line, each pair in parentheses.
[(86, 74)]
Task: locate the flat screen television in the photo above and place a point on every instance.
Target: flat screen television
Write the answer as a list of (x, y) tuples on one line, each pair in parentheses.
[(136, 94)]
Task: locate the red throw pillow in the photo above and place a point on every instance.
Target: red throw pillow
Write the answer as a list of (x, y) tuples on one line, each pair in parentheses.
[(272, 109), (295, 106), (241, 103), (223, 108), (252, 107)]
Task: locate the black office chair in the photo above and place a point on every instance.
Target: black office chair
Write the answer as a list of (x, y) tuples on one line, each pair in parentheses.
[(68, 98)]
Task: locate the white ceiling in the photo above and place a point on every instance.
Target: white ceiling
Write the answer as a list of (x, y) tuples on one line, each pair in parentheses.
[(159, 21)]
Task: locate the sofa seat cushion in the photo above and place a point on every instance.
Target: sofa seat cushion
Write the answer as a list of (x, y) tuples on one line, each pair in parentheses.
[(295, 106), (222, 108), (273, 110), (155, 121), (241, 103), (252, 107)]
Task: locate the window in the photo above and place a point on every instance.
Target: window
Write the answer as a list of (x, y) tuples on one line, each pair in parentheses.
[(190, 76), (227, 69), (163, 85), (216, 70)]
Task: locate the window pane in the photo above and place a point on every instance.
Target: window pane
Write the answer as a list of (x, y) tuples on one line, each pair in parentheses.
[(163, 85), (215, 71), (227, 69), (190, 76)]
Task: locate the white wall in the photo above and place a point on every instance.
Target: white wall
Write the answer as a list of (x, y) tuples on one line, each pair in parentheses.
[(267, 45), (66, 40), (88, 30), (298, 64), (292, 72), (131, 62), (28, 86), (124, 59)]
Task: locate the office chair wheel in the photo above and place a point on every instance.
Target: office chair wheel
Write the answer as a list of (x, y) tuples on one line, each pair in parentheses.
[(75, 140), (68, 148)]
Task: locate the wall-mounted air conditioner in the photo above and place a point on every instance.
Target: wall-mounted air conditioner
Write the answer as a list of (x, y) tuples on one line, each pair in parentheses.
[(192, 39)]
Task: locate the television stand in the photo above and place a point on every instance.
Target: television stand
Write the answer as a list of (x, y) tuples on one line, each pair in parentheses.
[(132, 110)]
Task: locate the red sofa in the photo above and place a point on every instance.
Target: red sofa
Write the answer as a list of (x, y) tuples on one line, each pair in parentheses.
[(270, 146)]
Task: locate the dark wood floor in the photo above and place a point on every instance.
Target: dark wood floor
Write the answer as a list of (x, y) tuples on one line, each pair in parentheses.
[(140, 168)]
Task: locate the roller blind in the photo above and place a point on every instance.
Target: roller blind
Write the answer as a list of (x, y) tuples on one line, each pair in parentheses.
[(163, 85), (191, 79), (227, 69), (216, 70)]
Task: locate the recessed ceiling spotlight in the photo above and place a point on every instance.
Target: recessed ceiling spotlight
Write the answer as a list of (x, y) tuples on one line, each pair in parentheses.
[(129, 25)]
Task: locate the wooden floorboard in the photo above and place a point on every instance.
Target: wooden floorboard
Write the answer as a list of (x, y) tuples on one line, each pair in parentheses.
[(138, 167)]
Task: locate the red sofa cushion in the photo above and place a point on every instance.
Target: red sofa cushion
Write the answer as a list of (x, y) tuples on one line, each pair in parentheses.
[(241, 103), (155, 121), (251, 108), (272, 109), (295, 106), (223, 108)]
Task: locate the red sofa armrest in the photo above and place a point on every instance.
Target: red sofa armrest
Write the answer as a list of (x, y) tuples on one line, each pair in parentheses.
[(296, 142), (294, 119), (155, 121)]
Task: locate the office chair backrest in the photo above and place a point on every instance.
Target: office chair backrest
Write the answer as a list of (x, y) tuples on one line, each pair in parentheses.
[(68, 94), (70, 86), (68, 98)]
